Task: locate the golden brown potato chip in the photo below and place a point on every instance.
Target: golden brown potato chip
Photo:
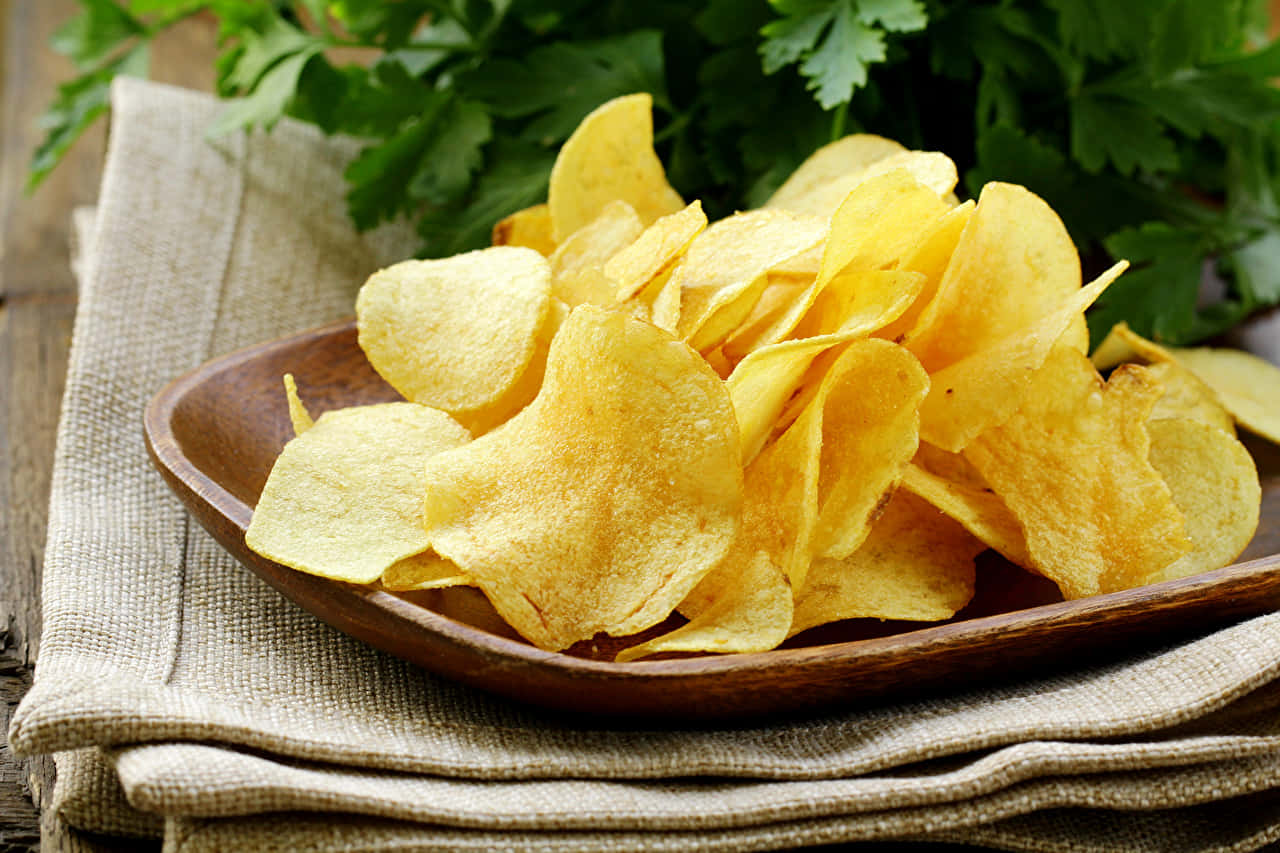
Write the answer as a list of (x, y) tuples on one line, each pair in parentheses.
[(1014, 263), (530, 228), (1215, 484), (602, 503), (916, 564), (455, 334), (610, 157), (427, 570), (725, 269), (298, 414), (979, 510), (632, 268), (578, 265), (344, 499), (986, 387), (1072, 465)]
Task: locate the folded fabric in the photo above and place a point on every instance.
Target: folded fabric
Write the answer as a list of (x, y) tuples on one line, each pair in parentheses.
[(221, 706)]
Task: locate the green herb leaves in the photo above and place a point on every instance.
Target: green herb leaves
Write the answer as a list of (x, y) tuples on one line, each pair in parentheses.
[(1152, 126)]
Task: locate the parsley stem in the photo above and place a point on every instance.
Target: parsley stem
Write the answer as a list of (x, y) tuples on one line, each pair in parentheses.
[(837, 121)]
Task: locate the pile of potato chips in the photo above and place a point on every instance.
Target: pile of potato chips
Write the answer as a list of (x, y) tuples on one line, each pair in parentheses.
[(819, 410)]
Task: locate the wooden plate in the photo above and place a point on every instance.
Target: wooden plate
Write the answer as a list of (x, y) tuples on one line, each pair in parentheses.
[(215, 433)]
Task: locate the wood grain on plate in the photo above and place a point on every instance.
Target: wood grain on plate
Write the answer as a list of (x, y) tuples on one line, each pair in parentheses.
[(215, 433)]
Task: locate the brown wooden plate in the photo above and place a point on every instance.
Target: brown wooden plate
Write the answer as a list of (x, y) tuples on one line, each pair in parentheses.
[(215, 433)]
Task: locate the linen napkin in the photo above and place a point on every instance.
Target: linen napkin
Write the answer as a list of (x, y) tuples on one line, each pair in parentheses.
[(184, 696)]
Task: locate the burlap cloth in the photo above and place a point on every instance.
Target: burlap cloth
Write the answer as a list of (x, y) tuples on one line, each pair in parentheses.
[(181, 695)]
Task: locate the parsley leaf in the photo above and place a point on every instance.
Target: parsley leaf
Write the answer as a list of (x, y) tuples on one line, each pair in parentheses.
[(96, 34), (1157, 296)]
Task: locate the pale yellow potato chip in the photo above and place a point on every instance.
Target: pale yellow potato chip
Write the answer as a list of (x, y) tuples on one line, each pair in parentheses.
[(929, 256), (1214, 483), (817, 489), (823, 180), (932, 168), (578, 265), (985, 388), (872, 229), (602, 504), (610, 157), (744, 606), (1185, 396), (916, 564), (427, 570), (458, 333), (1014, 263), (344, 499), (530, 228), (763, 382), (725, 269), (780, 295), (1247, 386), (298, 414), (635, 266), (979, 510), (1072, 466)]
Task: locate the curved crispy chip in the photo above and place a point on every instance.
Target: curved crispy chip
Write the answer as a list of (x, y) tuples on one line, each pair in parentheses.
[(980, 511), (530, 228), (344, 499), (1215, 483), (1185, 396), (578, 264), (1247, 386), (1072, 465), (608, 498), (458, 333), (609, 157), (916, 564), (986, 387), (1013, 264), (725, 269), (427, 570), (742, 606), (632, 268), (929, 256), (823, 180), (298, 414)]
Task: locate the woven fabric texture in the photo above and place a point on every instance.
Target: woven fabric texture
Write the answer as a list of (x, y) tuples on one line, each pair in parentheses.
[(242, 722)]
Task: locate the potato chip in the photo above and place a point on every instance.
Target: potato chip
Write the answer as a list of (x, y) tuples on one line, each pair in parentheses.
[(298, 414), (530, 228), (1014, 263), (635, 266), (1185, 396), (916, 564), (577, 266), (1072, 465), (988, 386), (527, 386), (744, 605), (872, 229), (929, 256), (824, 179), (765, 380), (933, 169), (978, 509), (1214, 483), (725, 269), (602, 504), (427, 570), (455, 334), (344, 499), (1246, 386), (610, 157)]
